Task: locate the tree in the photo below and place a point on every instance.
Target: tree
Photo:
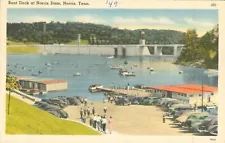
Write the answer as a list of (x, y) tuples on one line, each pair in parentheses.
[(11, 84), (203, 50), (192, 49), (62, 33)]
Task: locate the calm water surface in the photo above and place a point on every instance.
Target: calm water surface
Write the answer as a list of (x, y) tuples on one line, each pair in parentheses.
[(96, 69)]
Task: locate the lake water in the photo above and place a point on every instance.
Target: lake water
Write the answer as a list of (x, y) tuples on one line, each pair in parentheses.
[(96, 70)]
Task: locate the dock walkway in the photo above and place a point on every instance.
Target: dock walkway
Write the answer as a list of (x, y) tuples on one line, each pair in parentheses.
[(136, 92)]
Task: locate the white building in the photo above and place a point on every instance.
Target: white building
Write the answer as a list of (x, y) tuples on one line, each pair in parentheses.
[(188, 93), (40, 84)]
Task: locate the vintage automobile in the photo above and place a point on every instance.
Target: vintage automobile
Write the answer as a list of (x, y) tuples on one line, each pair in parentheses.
[(202, 125), (213, 130), (182, 119), (178, 107), (122, 101), (195, 118)]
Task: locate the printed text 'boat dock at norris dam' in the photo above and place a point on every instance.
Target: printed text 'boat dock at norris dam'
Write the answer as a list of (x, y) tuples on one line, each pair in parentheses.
[(46, 3)]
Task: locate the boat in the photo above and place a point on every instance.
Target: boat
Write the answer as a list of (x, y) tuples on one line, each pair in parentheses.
[(77, 74), (126, 73), (212, 72), (126, 62), (95, 87), (116, 67), (151, 69), (180, 72), (110, 57), (48, 64), (44, 53)]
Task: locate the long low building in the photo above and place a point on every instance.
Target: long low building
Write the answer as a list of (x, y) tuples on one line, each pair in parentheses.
[(188, 93), (42, 84)]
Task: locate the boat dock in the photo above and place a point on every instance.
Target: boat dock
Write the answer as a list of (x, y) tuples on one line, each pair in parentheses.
[(139, 93)]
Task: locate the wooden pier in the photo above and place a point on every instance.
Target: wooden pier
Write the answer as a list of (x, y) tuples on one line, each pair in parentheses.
[(130, 92)]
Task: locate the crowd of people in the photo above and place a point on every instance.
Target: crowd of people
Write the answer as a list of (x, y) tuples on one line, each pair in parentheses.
[(96, 121)]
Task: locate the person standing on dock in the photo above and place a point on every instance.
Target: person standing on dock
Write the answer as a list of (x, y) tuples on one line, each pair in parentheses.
[(94, 121), (105, 109), (88, 112), (93, 110), (104, 121), (110, 125), (111, 99), (85, 111), (108, 97), (98, 121), (164, 120), (85, 101), (81, 113), (91, 120), (128, 86)]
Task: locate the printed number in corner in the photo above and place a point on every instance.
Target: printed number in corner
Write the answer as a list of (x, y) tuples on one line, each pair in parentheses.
[(112, 3)]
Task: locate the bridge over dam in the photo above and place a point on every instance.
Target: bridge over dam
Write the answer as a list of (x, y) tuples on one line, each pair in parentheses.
[(112, 50)]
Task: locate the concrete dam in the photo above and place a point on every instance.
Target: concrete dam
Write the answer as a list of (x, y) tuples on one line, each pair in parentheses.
[(111, 50)]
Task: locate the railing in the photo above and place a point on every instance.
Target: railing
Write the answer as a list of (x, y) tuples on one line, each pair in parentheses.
[(26, 95)]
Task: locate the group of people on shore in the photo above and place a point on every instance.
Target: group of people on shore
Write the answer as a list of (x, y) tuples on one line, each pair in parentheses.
[(96, 121)]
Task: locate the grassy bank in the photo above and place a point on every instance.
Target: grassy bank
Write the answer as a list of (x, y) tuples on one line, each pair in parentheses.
[(26, 119), (20, 43), (21, 49)]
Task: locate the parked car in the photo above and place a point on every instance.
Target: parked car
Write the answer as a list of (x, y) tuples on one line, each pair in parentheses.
[(122, 101), (213, 130), (182, 119), (195, 118), (202, 125), (178, 107)]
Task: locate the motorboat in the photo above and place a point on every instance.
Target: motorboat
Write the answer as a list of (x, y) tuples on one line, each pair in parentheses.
[(151, 69), (126, 73), (110, 57), (180, 72), (212, 72), (48, 64), (116, 67), (125, 62), (77, 74), (95, 87)]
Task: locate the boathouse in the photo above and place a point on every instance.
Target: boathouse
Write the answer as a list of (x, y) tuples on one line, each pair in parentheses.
[(42, 84), (188, 93)]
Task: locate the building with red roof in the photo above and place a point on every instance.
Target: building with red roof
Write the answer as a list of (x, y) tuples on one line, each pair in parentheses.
[(41, 84), (186, 92)]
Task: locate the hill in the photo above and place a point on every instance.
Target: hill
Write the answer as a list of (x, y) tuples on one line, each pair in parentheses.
[(26, 119), (62, 33), (200, 52)]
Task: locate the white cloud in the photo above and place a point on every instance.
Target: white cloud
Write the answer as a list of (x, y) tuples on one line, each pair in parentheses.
[(121, 20), (142, 21), (89, 19), (161, 20), (38, 19), (199, 23)]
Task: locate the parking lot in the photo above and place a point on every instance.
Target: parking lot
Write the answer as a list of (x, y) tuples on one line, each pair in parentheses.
[(132, 120)]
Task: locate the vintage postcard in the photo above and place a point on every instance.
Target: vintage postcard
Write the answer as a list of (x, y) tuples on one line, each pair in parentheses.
[(111, 70)]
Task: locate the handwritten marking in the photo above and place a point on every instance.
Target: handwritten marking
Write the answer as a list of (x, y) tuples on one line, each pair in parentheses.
[(112, 3)]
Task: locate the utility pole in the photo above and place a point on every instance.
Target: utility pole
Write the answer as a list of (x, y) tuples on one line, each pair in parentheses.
[(202, 93)]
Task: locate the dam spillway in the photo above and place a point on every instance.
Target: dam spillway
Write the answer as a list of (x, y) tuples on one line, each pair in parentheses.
[(116, 50)]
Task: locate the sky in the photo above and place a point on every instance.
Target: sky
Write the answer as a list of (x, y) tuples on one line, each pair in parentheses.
[(172, 19)]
